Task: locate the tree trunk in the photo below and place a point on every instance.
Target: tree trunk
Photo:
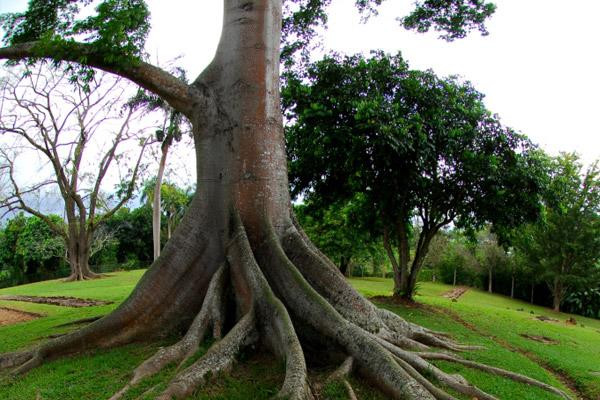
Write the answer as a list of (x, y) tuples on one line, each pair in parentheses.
[(156, 206), (454, 279), (404, 254), (512, 287), (398, 276), (344, 263), (490, 273), (238, 243), (78, 255), (417, 264), (557, 294), (532, 289)]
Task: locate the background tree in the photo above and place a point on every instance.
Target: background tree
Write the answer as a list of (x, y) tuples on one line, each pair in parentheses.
[(336, 230), (436, 252), (45, 114), (30, 250), (171, 131), (238, 230), (490, 255), (565, 244), (413, 144), (133, 233)]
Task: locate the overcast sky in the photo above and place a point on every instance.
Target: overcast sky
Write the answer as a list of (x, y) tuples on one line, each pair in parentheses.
[(538, 67)]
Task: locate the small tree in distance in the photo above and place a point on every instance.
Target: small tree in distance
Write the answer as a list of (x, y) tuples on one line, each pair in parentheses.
[(61, 121)]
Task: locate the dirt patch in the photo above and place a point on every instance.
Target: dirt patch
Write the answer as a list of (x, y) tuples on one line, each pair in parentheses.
[(58, 301), (9, 316), (541, 339), (455, 293), (546, 319)]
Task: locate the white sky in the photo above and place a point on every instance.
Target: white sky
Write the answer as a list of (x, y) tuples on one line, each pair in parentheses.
[(538, 67)]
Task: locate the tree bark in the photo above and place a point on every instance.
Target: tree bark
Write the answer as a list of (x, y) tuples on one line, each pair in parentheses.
[(398, 283), (421, 250), (557, 294), (490, 277)]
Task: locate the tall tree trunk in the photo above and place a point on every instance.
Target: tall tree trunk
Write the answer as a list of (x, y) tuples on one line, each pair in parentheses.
[(156, 206), (417, 264), (454, 279), (532, 292), (512, 286), (398, 276), (490, 277), (557, 294), (403, 253)]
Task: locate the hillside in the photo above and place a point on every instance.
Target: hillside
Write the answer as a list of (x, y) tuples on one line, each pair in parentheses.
[(514, 338)]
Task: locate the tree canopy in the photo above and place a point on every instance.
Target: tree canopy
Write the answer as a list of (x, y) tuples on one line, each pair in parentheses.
[(414, 144)]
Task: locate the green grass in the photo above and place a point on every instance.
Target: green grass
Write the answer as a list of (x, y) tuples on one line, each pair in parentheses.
[(499, 324), (576, 355)]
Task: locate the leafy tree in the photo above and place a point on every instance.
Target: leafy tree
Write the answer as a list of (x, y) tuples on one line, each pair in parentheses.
[(174, 203), (29, 249), (565, 244), (43, 113), (414, 145), (436, 252), (132, 230), (336, 231), (490, 255), (240, 217)]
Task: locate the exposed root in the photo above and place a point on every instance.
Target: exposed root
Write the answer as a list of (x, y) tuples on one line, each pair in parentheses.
[(219, 358), (80, 321), (437, 392), (189, 344), (349, 390), (15, 359), (326, 279), (343, 370), (277, 325), (495, 371), (373, 360), (83, 276), (341, 374)]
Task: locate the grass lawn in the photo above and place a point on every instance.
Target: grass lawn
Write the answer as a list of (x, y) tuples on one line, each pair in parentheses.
[(498, 321)]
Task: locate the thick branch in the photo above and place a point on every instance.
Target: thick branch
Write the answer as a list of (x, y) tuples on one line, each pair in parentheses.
[(177, 93)]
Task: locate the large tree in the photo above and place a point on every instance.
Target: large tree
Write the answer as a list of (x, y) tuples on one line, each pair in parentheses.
[(414, 145), (238, 234), (69, 125)]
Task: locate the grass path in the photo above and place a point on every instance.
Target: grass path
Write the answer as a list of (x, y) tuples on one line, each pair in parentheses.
[(475, 318)]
